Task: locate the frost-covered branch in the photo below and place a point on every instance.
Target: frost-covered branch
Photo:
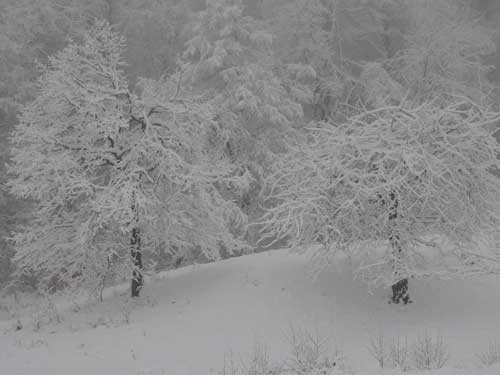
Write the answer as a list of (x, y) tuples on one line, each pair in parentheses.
[(101, 163), (440, 165)]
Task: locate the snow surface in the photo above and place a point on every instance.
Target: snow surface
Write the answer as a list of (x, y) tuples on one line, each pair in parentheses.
[(189, 319)]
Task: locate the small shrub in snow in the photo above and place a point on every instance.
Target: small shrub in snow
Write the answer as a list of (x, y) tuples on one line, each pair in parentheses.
[(100, 321), (34, 311), (44, 312), (491, 356), (399, 354), (126, 312), (258, 363), (377, 349), (30, 343), (310, 354), (429, 352), (230, 367)]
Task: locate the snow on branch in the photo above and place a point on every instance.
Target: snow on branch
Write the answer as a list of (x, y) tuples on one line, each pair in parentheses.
[(100, 162), (427, 174)]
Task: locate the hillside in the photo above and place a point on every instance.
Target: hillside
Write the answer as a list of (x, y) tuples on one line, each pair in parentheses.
[(190, 319)]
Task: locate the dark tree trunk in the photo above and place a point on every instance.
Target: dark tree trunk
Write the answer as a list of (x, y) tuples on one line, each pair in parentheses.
[(400, 288), (400, 292), (135, 252)]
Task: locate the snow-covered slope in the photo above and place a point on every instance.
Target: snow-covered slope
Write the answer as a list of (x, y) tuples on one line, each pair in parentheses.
[(189, 319)]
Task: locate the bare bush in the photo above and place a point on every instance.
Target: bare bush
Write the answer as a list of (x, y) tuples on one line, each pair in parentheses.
[(44, 312), (424, 353), (230, 367), (429, 352), (258, 363), (490, 356), (377, 349), (399, 354), (311, 354)]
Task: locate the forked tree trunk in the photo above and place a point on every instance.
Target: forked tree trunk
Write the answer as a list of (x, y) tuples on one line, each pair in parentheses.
[(135, 252), (400, 291)]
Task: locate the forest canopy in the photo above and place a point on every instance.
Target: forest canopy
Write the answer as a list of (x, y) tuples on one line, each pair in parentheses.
[(141, 135)]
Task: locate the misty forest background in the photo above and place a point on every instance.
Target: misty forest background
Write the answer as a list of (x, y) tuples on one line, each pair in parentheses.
[(142, 135)]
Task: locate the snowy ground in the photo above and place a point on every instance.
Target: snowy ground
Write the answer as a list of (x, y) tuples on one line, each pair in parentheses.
[(191, 318)]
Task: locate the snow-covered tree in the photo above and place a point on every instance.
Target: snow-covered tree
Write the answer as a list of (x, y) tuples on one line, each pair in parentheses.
[(443, 49), (404, 191), (233, 53), (332, 37), (309, 35), (155, 32), (114, 175), (229, 59)]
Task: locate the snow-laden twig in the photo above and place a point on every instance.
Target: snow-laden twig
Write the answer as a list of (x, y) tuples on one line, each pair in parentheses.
[(438, 163)]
